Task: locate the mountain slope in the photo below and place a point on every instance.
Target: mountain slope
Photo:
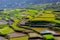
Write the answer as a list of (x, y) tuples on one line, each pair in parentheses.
[(23, 3)]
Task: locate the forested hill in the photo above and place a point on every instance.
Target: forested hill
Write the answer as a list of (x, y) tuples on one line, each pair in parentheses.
[(23, 3)]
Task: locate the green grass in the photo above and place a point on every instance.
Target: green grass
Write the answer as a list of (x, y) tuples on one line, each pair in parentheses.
[(6, 30)]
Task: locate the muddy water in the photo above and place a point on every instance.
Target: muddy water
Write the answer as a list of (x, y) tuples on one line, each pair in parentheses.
[(2, 38), (57, 38), (42, 29)]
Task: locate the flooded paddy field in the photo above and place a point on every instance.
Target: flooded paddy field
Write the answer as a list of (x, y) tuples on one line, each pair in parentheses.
[(43, 29)]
